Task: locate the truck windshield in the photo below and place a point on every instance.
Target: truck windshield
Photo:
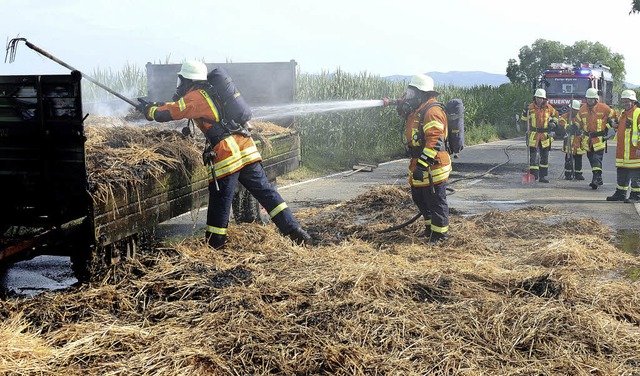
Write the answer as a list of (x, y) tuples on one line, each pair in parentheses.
[(563, 86)]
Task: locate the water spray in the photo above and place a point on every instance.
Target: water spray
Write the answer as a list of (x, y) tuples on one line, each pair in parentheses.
[(272, 112)]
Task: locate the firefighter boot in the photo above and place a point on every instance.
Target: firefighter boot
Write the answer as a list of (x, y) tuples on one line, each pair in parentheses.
[(437, 237), (579, 176), (599, 178), (300, 236), (594, 181), (634, 197), (619, 195), (215, 241), (543, 179)]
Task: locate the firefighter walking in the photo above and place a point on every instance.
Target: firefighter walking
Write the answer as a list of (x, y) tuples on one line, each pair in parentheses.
[(627, 151), (234, 157), (430, 165), (572, 146), (541, 119), (594, 120)]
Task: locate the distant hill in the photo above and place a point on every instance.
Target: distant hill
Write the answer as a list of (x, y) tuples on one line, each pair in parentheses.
[(461, 79)]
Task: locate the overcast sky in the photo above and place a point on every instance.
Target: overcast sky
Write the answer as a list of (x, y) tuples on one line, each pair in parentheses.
[(380, 37)]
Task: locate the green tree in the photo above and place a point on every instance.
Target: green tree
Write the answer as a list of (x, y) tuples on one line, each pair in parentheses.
[(635, 6), (533, 60)]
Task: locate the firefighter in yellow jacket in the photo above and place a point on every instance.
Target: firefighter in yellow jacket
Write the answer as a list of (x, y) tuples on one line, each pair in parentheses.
[(595, 119), (627, 151), (541, 119), (572, 146), (426, 131), (234, 157)]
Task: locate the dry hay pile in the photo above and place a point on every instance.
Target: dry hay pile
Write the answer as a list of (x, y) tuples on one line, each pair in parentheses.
[(523, 292), (122, 154)]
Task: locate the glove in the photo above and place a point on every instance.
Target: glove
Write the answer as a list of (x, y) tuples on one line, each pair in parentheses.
[(553, 124), (144, 107), (551, 134), (418, 174), (572, 129), (611, 133)]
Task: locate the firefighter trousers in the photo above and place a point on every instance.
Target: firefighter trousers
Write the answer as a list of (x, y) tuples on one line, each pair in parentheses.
[(626, 176), (539, 161), (595, 159), (254, 179), (433, 206), (572, 165)]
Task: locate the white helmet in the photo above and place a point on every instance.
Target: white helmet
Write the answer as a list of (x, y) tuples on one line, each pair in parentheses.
[(592, 93), (422, 82), (194, 70), (575, 104), (540, 93), (628, 94)]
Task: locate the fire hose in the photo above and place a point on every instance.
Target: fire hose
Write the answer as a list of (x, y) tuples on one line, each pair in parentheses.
[(11, 54)]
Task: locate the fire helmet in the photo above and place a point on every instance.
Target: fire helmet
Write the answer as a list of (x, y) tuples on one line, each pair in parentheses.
[(628, 94), (592, 93), (194, 70), (575, 104), (540, 93), (422, 82)]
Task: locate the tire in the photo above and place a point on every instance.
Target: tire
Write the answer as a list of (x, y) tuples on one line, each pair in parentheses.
[(246, 209)]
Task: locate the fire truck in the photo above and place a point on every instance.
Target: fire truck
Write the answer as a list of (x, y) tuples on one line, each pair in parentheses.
[(564, 82)]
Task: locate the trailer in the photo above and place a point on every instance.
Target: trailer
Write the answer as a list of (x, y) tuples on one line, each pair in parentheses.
[(47, 206)]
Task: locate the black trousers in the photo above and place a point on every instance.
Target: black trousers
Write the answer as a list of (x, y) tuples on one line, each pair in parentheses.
[(626, 176), (539, 161), (595, 159), (433, 205), (572, 163), (254, 179)]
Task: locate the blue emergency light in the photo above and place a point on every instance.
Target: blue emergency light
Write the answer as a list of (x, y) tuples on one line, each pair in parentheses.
[(585, 71)]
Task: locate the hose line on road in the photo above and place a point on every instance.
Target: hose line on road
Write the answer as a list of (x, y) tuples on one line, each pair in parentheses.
[(449, 189)]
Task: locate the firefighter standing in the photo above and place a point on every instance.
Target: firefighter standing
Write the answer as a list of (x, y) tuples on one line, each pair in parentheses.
[(572, 143), (426, 131), (235, 157), (627, 151), (594, 119), (541, 119)]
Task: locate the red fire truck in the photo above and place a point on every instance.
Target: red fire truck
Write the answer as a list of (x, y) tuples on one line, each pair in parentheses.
[(564, 82)]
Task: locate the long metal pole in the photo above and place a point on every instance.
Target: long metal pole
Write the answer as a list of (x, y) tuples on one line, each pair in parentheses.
[(14, 41)]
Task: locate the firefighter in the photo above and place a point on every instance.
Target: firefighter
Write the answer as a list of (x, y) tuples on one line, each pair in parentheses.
[(572, 143), (627, 151), (430, 165), (541, 119), (234, 157), (595, 120)]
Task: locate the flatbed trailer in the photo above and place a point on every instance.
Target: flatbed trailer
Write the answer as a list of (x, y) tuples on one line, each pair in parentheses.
[(47, 207)]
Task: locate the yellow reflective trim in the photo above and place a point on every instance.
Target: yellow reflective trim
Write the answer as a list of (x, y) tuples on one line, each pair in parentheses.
[(216, 230), (181, 104), (152, 112), (431, 153), (278, 209), (439, 229), (213, 107), (433, 123)]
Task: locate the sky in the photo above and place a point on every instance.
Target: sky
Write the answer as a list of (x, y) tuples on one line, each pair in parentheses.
[(383, 38)]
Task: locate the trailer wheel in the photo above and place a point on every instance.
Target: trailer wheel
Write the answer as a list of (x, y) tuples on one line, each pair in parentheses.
[(246, 209)]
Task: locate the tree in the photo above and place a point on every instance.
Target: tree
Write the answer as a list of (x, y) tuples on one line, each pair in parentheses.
[(535, 59), (635, 6)]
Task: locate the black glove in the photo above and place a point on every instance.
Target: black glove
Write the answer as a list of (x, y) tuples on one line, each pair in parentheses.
[(418, 173), (572, 129), (428, 160), (553, 124), (143, 106)]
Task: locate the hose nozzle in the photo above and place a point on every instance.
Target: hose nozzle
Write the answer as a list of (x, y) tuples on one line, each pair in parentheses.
[(389, 102)]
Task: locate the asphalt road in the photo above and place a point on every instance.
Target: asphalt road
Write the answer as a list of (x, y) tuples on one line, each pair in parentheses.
[(486, 177)]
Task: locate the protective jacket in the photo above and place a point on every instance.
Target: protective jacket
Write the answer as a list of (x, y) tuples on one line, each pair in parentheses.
[(537, 119), (573, 139), (426, 137), (628, 133), (593, 121), (232, 151)]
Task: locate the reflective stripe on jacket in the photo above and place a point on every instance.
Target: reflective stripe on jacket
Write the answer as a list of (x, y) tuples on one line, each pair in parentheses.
[(575, 140), (628, 139), (232, 153), (434, 128)]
